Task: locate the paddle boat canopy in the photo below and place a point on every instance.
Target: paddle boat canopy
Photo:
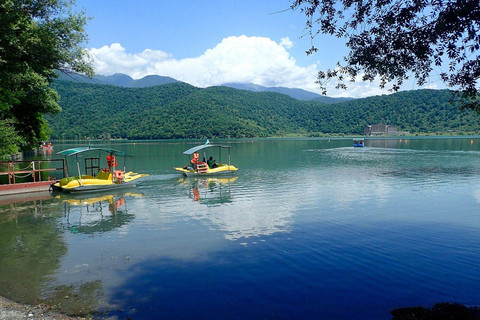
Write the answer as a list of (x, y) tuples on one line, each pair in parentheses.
[(206, 167), (99, 179)]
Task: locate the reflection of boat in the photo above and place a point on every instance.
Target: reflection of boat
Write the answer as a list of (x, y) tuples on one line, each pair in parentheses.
[(204, 168), (209, 190), (89, 201), (104, 179), (358, 143), (98, 214)]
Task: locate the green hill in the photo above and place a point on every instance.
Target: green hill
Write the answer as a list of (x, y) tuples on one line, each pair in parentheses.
[(179, 110)]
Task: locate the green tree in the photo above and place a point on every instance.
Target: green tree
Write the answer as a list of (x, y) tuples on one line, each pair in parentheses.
[(9, 139), (37, 37), (393, 39)]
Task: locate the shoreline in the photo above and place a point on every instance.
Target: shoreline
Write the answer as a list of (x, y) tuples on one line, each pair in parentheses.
[(11, 310)]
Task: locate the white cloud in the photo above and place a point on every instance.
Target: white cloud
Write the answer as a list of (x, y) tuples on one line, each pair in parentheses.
[(245, 59), (242, 59), (356, 89), (113, 59), (286, 43)]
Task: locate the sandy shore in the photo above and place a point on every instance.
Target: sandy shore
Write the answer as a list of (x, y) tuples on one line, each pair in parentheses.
[(10, 310)]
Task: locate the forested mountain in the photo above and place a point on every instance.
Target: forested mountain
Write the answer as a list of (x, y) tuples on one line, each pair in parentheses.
[(179, 110)]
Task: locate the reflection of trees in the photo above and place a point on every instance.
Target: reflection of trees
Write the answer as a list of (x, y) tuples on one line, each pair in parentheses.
[(31, 249)]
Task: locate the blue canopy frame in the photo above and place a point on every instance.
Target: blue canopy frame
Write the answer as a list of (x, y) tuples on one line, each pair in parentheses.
[(208, 145), (76, 151)]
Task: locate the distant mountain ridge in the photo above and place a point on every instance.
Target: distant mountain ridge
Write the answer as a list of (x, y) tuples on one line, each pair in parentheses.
[(119, 80), (123, 80), (299, 94)]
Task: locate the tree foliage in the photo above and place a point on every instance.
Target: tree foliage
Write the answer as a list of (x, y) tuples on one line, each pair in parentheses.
[(393, 39), (9, 139), (181, 111), (37, 37)]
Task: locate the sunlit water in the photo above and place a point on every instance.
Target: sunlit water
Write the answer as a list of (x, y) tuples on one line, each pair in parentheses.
[(307, 229)]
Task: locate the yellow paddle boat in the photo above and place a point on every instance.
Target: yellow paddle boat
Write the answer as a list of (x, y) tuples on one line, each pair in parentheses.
[(209, 167), (99, 179)]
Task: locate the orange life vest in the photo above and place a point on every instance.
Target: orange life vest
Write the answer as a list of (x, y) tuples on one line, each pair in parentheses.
[(111, 161), (195, 158)]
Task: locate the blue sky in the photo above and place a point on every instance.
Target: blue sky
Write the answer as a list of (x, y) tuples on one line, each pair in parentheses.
[(207, 43)]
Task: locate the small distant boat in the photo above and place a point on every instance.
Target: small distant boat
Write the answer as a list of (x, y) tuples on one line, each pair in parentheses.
[(46, 146), (358, 143), (105, 179), (207, 167)]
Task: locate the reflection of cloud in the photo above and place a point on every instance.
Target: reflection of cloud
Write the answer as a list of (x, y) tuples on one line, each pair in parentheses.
[(263, 209), (348, 186), (252, 219), (260, 214), (359, 190), (476, 194)]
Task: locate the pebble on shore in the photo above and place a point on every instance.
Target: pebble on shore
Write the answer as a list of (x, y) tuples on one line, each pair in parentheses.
[(10, 310)]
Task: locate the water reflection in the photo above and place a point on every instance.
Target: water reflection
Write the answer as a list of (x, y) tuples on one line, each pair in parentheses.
[(35, 246), (239, 211), (47, 152), (23, 200), (424, 143), (32, 249), (209, 191), (301, 220), (97, 214)]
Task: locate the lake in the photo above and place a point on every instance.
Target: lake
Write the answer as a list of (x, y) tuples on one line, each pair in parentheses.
[(306, 229)]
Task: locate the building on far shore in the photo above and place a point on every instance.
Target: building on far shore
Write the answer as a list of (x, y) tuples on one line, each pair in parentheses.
[(380, 129)]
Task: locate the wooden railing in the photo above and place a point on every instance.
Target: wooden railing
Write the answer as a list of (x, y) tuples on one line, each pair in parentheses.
[(22, 169)]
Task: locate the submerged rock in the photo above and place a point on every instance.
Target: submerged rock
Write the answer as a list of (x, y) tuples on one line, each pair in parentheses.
[(440, 311)]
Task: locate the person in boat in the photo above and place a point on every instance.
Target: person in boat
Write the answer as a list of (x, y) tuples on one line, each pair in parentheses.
[(210, 162), (214, 164), (194, 160)]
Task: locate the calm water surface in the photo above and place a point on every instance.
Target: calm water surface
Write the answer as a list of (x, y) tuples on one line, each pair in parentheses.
[(307, 229)]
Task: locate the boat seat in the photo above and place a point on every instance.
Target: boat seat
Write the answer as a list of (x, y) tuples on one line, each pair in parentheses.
[(104, 175)]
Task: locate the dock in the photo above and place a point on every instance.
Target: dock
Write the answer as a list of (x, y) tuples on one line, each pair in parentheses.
[(19, 170), (9, 189)]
